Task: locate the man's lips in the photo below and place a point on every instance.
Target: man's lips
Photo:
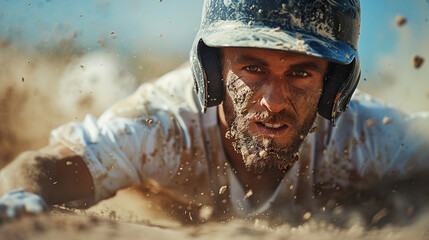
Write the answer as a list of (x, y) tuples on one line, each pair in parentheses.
[(272, 129)]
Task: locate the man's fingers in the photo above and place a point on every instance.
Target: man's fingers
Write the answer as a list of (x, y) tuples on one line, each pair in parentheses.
[(35, 206), (18, 203)]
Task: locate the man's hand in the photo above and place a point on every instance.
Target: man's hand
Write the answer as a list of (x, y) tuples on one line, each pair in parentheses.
[(55, 173), (18, 203)]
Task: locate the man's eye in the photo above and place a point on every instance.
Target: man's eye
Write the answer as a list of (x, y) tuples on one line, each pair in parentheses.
[(253, 69), (300, 74)]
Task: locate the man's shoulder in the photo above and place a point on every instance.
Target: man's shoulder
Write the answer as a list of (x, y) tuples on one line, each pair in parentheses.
[(368, 110), (177, 82), (170, 92), (368, 121), (173, 88)]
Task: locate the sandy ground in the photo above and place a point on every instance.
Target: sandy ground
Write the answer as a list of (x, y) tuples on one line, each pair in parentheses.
[(112, 219), (61, 225), (32, 104)]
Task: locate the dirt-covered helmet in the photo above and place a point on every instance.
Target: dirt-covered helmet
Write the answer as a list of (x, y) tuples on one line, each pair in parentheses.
[(327, 29)]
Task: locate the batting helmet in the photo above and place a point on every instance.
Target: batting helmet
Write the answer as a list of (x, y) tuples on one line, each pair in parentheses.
[(327, 29)]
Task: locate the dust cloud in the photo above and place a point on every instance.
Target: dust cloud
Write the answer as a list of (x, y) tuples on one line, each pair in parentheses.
[(44, 88)]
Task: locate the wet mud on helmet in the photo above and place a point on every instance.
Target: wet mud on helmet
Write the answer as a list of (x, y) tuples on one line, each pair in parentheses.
[(327, 29)]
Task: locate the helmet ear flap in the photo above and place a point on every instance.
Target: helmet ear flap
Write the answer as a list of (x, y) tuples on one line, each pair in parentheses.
[(340, 83), (212, 72)]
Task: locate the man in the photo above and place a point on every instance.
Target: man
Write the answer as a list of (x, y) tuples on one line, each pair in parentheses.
[(272, 78)]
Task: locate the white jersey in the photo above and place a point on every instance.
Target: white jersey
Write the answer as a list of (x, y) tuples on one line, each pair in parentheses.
[(160, 133)]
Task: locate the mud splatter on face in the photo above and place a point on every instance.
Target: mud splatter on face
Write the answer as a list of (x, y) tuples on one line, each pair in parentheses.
[(262, 153), (242, 108)]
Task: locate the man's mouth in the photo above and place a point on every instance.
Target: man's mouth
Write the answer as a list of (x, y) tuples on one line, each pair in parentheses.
[(272, 129)]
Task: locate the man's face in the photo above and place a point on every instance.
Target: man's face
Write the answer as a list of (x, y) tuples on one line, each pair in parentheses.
[(270, 103)]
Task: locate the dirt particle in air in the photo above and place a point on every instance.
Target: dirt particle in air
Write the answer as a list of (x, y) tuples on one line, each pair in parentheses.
[(112, 33), (260, 11), (387, 120), (69, 163), (206, 212), (418, 61), (222, 189), (379, 215), (248, 194), (250, 23), (324, 151), (306, 216), (252, 7), (284, 5), (22, 79), (400, 20), (277, 29), (370, 123), (149, 121)]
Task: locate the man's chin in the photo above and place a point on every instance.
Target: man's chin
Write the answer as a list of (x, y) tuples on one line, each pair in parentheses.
[(271, 164), (267, 154), (270, 158)]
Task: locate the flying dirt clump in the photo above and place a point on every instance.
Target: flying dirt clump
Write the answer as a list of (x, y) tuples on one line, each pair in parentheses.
[(400, 20), (418, 61)]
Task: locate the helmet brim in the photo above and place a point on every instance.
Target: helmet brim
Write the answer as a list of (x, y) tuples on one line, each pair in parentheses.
[(233, 34)]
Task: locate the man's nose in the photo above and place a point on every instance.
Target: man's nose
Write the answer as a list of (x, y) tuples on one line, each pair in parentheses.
[(275, 98)]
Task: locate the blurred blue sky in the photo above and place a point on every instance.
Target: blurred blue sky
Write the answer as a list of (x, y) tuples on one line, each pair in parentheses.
[(168, 27)]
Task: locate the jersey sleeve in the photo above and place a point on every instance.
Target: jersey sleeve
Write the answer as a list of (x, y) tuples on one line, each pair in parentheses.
[(374, 141), (118, 152), (148, 135)]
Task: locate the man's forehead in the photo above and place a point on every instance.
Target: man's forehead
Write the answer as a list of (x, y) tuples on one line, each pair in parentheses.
[(264, 55)]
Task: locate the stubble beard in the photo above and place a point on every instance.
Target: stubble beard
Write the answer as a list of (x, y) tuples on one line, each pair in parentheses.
[(263, 154)]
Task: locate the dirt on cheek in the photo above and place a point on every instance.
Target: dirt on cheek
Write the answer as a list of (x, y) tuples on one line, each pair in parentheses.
[(240, 110)]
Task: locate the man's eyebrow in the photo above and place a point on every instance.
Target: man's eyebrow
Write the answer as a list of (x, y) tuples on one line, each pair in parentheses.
[(312, 66), (251, 60)]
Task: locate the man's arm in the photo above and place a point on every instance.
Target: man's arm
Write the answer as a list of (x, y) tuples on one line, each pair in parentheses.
[(55, 173)]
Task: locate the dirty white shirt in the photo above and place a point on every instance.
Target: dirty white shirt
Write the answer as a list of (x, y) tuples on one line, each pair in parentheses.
[(160, 133)]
